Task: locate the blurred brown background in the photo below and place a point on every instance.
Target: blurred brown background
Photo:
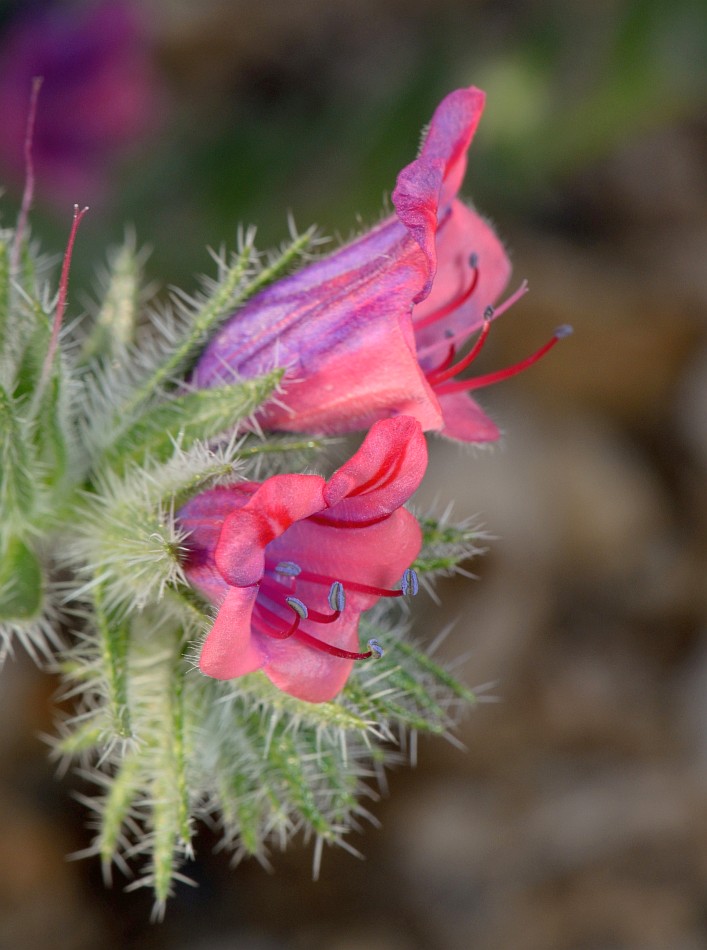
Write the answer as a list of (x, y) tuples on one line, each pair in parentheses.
[(576, 819)]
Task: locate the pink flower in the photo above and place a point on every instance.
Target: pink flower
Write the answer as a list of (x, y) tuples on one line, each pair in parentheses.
[(99, 96), (294, 560), (373, 330)]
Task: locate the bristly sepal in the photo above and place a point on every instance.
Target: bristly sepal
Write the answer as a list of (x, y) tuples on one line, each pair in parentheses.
[(447, 546)]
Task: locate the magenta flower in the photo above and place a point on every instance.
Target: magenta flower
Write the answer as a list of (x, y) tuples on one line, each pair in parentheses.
[(373, 330), (99, 97), (294, 560)]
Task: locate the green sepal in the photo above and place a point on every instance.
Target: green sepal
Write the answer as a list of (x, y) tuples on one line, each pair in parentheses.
[(184, 419), (445, 545), (4, 288), (117, 318), (411, 690), (85, 737), (17, 480), (21, 582), (122, 793), (29, 366), (50, 443), (114, 632)]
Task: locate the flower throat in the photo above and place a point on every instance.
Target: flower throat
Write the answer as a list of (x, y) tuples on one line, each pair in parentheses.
[(284, 577)]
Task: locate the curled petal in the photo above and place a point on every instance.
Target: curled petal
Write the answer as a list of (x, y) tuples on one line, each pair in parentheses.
[(341, 327), (426, 186), (449, 136), (276, 505), (382, 475)]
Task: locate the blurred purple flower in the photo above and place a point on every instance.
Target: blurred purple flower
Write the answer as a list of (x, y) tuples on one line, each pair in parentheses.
[(100, 94)]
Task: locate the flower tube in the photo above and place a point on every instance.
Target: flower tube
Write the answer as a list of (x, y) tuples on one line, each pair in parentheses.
[(373, 330)]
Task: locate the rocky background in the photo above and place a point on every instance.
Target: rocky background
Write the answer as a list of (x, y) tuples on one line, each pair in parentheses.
[(575, 816)]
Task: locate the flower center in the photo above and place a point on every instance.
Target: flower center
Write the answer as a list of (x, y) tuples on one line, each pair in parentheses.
[(441, 377), (279, 586)]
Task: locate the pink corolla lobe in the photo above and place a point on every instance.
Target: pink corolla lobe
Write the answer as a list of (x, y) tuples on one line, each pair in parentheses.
[(292, 562), (373, 330)]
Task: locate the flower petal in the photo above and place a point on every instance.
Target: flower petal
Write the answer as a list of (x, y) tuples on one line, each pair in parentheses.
[(308, 673), (382, 475), (426, 186), (465, 420), (229, 649), (278, 503), (203, 518), (449, 136)]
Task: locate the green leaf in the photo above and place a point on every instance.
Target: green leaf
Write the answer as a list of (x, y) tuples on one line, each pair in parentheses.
[(193, 416), (21, 582)]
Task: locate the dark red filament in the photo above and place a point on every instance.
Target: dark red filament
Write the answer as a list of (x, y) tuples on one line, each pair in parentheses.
[(443, 373), (451, 306), (271, 625), (293, 630), (478, 382)]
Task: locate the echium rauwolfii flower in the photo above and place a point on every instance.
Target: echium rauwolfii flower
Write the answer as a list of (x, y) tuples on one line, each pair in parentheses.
[(128, 491), (293, 561), (373, 330)]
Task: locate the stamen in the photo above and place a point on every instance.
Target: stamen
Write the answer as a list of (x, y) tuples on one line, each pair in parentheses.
[(271, 631), (269, 621), (288, 568), (298, 606), (447, 361), (410, 583), (337, 597), (508, 302), (441, 375), (332, 650), (349, 585), (478, 382), (455, 302)]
